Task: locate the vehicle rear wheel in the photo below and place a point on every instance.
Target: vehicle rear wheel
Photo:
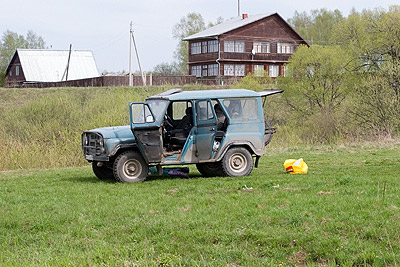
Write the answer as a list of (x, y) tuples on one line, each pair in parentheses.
[(130, 167), (210, 169), (237, 162), (102, 172)]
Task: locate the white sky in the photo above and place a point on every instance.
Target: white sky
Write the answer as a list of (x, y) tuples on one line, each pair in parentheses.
[(103, 25)]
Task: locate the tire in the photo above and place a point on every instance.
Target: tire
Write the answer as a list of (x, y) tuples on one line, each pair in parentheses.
[(130, 167), (103, 172), (210, 169), (237, 162)]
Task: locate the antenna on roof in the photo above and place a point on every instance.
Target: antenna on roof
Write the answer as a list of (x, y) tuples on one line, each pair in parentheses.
[(238, 8)]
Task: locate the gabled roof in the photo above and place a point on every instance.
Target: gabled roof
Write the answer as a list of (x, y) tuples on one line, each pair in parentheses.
[(232, 24), (43, 65)]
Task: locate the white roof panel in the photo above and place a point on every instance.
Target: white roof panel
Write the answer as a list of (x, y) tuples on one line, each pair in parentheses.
[(50, 65), (226, 26)]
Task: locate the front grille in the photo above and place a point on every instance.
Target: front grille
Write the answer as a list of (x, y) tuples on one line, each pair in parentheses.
[(92, 143)]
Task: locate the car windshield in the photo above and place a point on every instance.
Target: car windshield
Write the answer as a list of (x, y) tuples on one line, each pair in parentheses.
[(158, 108)]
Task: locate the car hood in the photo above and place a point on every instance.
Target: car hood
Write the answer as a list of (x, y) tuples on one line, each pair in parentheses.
[(120, 132)]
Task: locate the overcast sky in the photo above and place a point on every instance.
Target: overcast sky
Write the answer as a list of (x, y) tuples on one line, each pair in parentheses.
[(102, 26)]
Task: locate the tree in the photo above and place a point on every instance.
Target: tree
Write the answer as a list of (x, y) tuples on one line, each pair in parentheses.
[(190, 24), (166, 69), (10, 41), (316, 85), (373, 39), (316, 27)]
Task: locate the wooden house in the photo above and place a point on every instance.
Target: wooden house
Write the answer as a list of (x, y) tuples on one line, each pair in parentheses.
[(44, 65), (258, 43)]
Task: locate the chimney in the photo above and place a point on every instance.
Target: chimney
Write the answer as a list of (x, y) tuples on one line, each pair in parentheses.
[(244, 16)]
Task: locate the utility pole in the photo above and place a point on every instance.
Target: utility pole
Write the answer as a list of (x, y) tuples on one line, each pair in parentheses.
[(132, 39), (130, 56), (238, 8)]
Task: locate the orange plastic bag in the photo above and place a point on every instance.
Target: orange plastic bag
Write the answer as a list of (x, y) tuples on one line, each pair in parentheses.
[(295, 166)]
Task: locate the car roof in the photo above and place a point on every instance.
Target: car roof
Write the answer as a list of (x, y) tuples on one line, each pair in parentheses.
[(203, 94)]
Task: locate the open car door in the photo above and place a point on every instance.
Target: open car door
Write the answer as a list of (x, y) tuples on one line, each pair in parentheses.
[(147, 131)]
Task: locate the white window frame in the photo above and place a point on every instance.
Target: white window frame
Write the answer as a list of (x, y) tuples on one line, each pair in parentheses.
[(196, 70), (195, 48), (229, 69), (229, 46), (273, 71), (240, 46), (262, 47), (204, 47), (16, 70), (240, 70), (213, 70), (284, 48), (204, 71), (212, 46)]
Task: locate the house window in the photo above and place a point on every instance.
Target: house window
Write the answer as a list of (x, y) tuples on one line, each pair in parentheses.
[(229, 70), (234, 70), (213, 70), (204, 73), (212, 46), (284, 48), (196, 48), (204, 47), (239, 46), (196, 70), (239, 70), (234, 46), (17, 71), (229, 46), (10, 73), (262, 47), (259, 70), (273, 70)]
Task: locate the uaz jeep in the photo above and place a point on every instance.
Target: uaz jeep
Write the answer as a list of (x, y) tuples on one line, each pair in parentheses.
[(220, 131)]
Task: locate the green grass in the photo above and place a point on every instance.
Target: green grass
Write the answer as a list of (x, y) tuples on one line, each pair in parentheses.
[(330, 216)]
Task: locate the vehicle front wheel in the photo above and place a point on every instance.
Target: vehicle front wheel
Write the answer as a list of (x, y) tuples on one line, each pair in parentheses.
[(130, 167), (237, 162), (102, 172), (210, 169)]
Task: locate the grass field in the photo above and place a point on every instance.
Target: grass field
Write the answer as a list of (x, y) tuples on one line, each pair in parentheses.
[(334, 215)]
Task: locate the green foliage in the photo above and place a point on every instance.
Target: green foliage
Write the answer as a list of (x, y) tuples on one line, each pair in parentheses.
[(316, 27), (317, 78), (10, 41), (256, 82), (190, 24), (330, 216), (166, 69)]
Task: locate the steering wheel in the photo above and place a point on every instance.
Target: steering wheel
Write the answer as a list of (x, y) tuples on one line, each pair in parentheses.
[(168, 120)]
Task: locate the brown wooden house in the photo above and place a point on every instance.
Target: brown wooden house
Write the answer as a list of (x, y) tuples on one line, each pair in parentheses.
[(241, 45)]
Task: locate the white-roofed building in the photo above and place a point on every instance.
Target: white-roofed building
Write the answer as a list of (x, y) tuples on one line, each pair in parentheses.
[(250, 43), (43, 65)]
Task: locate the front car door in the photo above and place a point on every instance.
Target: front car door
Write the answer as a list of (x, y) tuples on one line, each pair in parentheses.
[(145, 118)]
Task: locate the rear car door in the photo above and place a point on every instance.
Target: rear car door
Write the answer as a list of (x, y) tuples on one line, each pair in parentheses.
[(206, 123)]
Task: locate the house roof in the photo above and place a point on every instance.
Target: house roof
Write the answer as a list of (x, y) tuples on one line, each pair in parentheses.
[(233, 24), (43, 65)]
